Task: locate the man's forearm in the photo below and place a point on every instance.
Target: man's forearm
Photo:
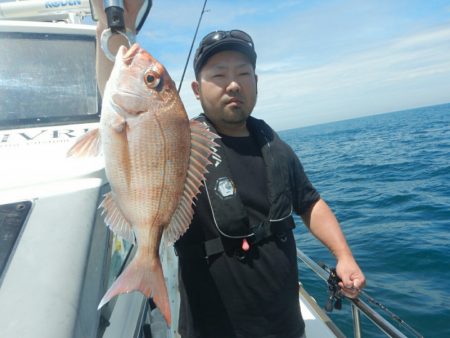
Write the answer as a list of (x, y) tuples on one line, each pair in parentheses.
[(324, 226), (103, 64)]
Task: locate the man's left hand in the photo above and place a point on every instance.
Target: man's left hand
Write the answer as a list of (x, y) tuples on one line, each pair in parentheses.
[(352, 278)]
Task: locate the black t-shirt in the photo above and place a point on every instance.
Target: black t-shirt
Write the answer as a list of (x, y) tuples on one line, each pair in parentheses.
[(226, 296)]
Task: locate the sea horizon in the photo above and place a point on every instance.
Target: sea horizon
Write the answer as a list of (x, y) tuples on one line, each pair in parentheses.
[(362, 116)]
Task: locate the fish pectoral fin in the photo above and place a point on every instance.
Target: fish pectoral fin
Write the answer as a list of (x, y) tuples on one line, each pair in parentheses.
[(202, 146), (119, 123), (115, 220), (87, 145)]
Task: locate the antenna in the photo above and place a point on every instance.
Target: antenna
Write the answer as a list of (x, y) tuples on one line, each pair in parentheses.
[(192, 44)]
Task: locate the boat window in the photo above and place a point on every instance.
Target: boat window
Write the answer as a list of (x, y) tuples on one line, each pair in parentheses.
[(108, 255), (120, 250), (12, 219), (46, 78), (119, 256)]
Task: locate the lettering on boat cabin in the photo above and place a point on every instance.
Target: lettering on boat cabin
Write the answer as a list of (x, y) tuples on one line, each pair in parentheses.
[(56, 4), (40, 135)]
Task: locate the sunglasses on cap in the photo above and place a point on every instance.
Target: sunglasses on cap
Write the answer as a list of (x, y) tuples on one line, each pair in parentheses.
[(214, 37)]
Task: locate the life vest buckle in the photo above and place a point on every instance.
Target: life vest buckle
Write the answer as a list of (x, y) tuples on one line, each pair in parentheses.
[(282, 237)]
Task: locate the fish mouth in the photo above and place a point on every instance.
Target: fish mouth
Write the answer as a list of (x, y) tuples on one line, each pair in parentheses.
[(129, 54)]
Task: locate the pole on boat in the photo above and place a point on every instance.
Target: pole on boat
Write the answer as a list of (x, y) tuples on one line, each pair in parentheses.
[(192, 44), (356, 322)]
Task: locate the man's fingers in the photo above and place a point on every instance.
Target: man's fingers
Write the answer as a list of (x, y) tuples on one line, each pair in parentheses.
[(352, 278), (358, 283), (346, 282), (350, 289), (350, 292)]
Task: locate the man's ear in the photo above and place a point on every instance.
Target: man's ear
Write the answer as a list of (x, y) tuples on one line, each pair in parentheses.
[(196, 89)]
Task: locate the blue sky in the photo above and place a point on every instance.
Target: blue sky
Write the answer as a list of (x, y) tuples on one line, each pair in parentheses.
[(319, 61)]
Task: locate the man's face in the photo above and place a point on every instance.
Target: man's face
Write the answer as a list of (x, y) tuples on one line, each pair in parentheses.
[(227, 91)]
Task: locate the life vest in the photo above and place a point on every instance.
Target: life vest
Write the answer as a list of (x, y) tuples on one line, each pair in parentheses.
[(230, 216)]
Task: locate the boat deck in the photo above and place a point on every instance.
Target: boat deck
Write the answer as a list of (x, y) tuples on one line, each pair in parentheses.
[(318, 324)]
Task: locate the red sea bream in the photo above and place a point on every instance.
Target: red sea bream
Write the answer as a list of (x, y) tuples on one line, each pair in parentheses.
[(155, 161)]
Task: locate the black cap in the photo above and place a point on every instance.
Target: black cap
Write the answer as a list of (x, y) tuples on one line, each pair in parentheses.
[(220, 41)]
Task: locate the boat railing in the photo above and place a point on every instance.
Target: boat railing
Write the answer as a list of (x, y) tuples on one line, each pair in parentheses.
[(358, 306)]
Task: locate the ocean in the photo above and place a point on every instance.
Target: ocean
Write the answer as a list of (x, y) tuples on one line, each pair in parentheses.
[(387, 178)]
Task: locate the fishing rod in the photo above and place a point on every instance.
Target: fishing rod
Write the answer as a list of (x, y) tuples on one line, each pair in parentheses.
[(391, 314), (335, 300), (192, 44)]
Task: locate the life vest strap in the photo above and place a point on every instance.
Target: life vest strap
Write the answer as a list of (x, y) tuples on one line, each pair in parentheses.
[(216, 246), (213, 247)]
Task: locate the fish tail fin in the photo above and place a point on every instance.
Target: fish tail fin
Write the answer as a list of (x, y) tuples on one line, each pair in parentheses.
[(149, 281), (159, 292)]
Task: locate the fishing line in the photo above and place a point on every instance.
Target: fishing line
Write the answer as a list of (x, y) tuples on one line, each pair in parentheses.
[(192, 44), (390, 313)]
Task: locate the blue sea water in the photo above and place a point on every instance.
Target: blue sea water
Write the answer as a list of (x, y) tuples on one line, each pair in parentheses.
[(387, 178)]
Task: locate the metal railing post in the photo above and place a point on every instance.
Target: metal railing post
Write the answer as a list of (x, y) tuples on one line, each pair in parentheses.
[(360, 305), (356, 322)]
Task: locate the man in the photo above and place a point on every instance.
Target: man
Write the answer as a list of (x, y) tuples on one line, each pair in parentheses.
[(238, 267)]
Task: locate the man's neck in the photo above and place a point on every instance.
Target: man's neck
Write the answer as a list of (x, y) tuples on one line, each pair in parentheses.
[(233, 130)]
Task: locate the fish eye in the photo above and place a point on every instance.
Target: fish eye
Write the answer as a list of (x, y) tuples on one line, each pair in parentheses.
[(151, 79)]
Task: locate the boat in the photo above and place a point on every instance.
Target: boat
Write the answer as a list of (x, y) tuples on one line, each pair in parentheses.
[(57, 257)]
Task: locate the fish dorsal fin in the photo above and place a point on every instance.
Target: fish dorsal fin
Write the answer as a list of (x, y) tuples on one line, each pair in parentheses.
[(202, 146), (87, 145), (115, 220)]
